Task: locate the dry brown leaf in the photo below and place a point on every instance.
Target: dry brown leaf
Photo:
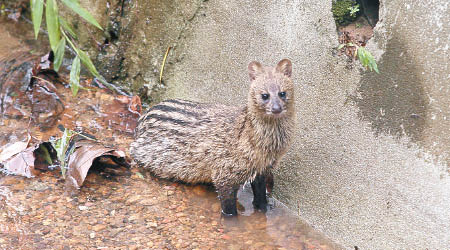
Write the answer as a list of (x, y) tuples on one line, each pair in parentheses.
[(81, 161), (11, 149), (21, 163)]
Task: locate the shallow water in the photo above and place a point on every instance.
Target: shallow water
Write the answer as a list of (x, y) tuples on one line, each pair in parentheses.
[(131, 212), (134, 211)]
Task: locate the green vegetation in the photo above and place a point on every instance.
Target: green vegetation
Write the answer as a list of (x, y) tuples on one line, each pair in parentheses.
[(63, 151), (353, 10), (344, 11), (366, 59), (364, 56), (60, 32)]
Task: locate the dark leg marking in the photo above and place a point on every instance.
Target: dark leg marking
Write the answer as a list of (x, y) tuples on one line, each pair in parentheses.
[(259, 193), (228, 199)]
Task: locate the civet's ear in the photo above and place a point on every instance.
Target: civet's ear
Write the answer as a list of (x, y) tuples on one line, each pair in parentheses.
[(285, 67), (254, 69)]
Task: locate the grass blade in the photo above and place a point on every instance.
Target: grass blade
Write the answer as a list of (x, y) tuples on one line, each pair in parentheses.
[(75, 6), (51, 16), (87, 62), (59, 54), (37, 8), (75, 76), (163, 63), (66, 26)]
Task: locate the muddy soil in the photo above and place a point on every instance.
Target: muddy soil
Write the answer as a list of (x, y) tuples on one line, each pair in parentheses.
[(128, 210)]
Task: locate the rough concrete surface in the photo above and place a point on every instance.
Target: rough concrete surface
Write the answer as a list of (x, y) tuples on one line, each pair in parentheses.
[(369, 166)]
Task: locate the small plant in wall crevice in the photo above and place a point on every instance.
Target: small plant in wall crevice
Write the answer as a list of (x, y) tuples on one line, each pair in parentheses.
[(354, 48), (364, 56)]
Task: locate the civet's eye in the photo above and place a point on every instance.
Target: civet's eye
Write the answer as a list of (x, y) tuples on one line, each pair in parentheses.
[(282, 95), (265, 97)]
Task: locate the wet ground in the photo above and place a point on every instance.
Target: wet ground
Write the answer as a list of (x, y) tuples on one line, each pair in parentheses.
[(129, 210)]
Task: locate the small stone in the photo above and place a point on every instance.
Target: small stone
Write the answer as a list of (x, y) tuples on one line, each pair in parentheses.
[(170, 192), (83, 208), (89, 204), (98, 227), (134, 198), (46, 222), (150, 244), (148, 202), (132, 218), (180, 214), (226, 237), (92, 235), (52, 198), (152, 224)]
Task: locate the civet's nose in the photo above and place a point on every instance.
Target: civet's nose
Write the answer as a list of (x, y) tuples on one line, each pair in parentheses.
[(276, 108)]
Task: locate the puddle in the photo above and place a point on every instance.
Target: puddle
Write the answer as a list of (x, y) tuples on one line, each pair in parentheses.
[(138, 213), (133, 211)]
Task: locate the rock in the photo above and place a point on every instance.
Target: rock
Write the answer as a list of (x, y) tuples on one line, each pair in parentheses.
[(98, 227), (83, 208), (46, 222), (152, 224)]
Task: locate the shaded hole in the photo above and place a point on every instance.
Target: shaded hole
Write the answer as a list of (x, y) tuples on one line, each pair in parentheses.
[(370, 9), (355, 20)]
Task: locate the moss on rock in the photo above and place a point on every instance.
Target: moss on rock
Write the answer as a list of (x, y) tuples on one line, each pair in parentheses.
[(341, 11)]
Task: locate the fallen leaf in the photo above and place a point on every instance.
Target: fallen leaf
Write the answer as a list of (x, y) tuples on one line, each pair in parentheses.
[(122, 114), (21, 163), (10, 149), (135, 104), (86, 151)]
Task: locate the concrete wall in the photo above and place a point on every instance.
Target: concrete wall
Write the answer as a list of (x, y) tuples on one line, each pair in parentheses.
[(370, 162)]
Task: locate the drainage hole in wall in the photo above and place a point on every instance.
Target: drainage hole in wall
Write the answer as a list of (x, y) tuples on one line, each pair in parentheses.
[(355, 20)]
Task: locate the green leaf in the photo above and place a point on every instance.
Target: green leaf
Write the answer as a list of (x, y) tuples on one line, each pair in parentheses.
[(375, 67), (61, 145), (139, 175), (51, 16), (46, 154), (87, 62), (66, 26), (340, 46), (37, 8), (59, 54), (367, 60), (75, 76), (75, 6)]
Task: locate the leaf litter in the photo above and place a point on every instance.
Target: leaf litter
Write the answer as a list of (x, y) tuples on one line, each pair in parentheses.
[(60, 126)]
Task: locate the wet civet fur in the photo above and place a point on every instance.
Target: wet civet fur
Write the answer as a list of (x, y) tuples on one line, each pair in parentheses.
[(224, 145)]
